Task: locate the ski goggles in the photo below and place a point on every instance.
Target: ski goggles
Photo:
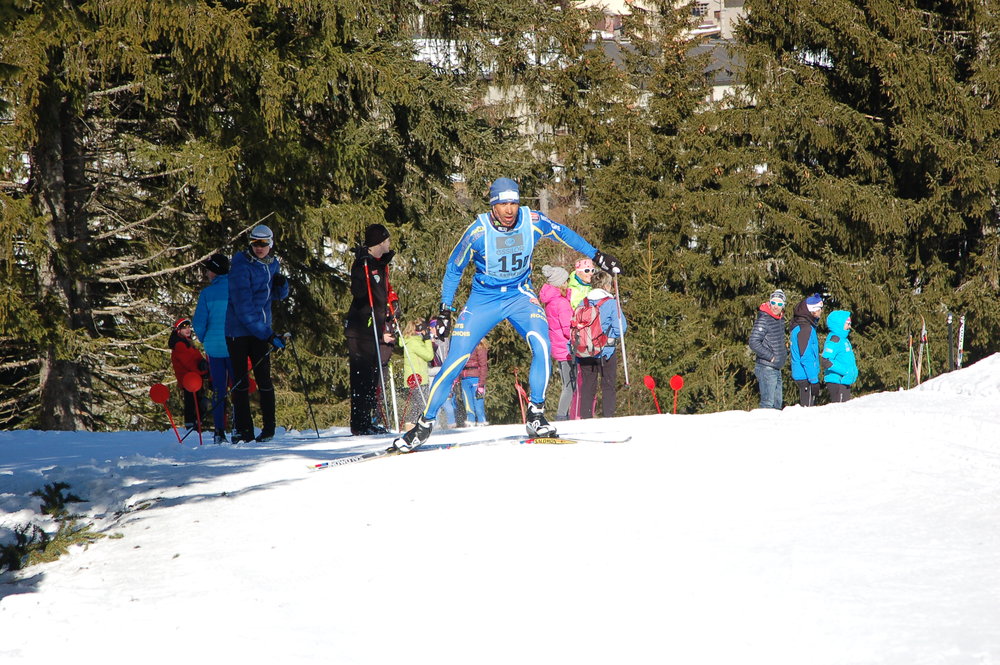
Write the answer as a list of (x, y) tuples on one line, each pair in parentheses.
[(260, 243)]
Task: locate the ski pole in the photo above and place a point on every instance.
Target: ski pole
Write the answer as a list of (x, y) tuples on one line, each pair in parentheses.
[(392, 390), (378, 350), (961, 341), (951, 357), (302, 379), (621, 330), (909, 365)]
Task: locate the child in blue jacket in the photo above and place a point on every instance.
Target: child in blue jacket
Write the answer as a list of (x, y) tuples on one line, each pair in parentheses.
[(840, 369), (210, 327), (804, 348)]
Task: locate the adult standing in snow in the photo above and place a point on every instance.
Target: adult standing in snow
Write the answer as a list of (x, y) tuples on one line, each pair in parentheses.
[(604, 366), (767, 341), (366, 322), (840, 367), (804, 348), (579, 282), (554, 296), (210, 327), (499, 244), (254, 283)]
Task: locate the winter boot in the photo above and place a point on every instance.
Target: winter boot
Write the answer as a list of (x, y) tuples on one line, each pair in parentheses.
[(415, 437), (220, 436), (266, 434), (537, 425)]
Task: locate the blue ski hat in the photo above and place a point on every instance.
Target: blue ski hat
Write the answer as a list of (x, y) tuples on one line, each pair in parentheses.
[(504, 190)]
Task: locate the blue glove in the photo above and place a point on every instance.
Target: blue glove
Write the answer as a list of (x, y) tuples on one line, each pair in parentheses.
[(277, 342)]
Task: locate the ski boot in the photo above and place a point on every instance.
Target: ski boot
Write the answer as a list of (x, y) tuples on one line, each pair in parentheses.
[(266, 434), (417, 436), (537, 425)]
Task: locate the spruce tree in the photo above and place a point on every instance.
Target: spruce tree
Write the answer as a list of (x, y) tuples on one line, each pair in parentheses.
[(631, 131), (145, 137), (862, 158)]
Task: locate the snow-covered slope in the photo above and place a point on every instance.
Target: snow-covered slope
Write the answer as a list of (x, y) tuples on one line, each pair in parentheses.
[(864, 532)]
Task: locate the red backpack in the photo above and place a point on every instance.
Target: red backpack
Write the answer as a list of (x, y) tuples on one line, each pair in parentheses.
[(586, 334)]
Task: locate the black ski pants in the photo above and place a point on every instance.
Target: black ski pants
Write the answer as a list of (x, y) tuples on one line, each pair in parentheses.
[(592, 370), (808, 392), (838, 392), (366, 380), (259, 353)]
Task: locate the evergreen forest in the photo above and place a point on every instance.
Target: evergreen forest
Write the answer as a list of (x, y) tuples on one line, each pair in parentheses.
[(858, 157)]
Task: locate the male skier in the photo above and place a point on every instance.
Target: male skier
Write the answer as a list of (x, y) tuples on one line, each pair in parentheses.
[(500, 244)]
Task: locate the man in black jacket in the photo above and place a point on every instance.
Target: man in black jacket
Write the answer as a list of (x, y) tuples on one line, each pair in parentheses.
[(365, 325), (767, 341)]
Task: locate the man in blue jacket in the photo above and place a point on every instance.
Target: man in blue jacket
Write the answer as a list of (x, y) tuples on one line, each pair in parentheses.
[(767, 341), (210, 327), (804, 348), (254, 283), (840, 368), (499, 244)]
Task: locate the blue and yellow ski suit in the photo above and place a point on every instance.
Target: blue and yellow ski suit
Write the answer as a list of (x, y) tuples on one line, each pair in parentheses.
[(501, 289)]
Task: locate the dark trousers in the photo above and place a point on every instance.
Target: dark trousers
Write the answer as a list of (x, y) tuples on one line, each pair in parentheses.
[(259, 353), (838, 392), (363, 363), (808, 392), (590, 371), (192, 416)]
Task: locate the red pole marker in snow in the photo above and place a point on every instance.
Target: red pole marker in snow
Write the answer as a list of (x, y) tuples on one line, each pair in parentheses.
[(192, 384), (676, 382), (160, 394), (651, 384)]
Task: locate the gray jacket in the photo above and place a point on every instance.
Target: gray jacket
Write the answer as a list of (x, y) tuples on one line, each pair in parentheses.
[(767, 339)]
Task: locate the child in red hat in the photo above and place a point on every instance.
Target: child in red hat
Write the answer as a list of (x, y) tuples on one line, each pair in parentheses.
[(186, 358)]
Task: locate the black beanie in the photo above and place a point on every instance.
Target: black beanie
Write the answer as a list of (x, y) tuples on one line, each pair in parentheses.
[(375, 234), (217, 263)]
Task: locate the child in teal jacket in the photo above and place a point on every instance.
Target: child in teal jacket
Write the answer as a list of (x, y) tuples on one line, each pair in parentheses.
[(840, 369)]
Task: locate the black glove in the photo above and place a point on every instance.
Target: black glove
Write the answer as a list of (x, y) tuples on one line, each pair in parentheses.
[(279, 280), (607, 263), (444, 322), (277, 342), (203, 366)]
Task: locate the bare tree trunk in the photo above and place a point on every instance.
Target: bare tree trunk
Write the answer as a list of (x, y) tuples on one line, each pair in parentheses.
[(59, 190)]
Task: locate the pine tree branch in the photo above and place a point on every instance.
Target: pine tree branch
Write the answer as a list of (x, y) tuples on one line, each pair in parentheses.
[(134, 85), (141, 222)]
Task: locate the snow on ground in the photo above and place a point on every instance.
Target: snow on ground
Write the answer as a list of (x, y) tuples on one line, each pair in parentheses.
[(855, 533)]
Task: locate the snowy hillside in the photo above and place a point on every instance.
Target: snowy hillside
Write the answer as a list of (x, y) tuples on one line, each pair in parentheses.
[(865, 532)]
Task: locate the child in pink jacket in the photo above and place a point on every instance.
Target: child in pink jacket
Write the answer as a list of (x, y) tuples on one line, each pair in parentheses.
[(554, 296)]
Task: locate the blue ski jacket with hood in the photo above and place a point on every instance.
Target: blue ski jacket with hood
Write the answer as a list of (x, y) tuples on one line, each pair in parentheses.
[(839, 364)]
